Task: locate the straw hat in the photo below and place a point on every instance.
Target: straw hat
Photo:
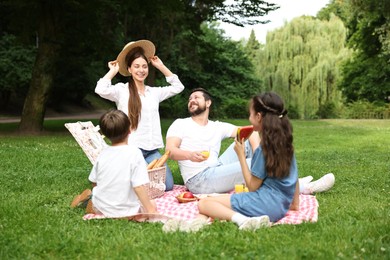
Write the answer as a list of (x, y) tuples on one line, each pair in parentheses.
[(146, 45)]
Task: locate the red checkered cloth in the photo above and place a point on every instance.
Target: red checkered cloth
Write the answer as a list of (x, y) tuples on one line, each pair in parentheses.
[(169, 207)]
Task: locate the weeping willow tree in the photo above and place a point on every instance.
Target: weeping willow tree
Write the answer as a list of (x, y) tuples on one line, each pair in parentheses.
[(301, 62)]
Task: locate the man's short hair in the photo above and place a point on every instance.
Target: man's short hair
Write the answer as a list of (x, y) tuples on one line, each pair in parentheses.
[(206, 94)]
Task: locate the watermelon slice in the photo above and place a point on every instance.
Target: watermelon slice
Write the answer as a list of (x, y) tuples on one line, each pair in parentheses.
[(244, 132)]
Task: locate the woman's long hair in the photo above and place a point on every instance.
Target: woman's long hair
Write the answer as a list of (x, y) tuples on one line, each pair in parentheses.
[(276, 134), (134, 105)]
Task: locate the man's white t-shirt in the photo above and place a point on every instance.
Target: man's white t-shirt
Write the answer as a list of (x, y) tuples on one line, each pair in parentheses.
[(117, 171), (195, 137)]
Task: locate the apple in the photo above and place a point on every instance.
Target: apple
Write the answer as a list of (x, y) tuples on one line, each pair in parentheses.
[(188, 195)]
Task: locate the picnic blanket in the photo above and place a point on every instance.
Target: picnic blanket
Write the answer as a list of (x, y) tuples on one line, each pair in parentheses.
[(169, 207)]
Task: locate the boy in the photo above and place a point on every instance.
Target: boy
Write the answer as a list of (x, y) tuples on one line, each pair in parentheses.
[(118, 183)]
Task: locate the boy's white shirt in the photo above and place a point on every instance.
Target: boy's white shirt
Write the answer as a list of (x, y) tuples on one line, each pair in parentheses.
[(117, 171)]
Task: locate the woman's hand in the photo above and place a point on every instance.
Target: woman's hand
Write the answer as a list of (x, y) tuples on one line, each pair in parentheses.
[(156, 62), (113, 65), (114, 69)]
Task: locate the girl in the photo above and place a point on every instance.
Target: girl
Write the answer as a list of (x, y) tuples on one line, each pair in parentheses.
[(272, 178), (139, 101)]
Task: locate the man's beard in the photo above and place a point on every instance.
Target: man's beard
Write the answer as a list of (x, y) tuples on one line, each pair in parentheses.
[(198, 111)]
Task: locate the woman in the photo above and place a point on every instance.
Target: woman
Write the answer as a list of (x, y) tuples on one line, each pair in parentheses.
[(139, 101)]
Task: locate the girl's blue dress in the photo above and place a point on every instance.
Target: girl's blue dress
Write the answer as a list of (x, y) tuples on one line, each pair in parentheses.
[(274, 196)]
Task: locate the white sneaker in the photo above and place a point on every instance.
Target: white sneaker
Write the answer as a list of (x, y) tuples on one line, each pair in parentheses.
[(325, 183), (194, 225), (172, 225), (303, 182), (255, 223)]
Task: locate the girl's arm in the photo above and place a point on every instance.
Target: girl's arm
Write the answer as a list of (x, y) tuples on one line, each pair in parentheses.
[(252, 182), (144, 198), (295, 202)]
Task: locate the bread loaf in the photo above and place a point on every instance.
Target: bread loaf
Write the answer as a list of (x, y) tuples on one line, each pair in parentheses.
[(162, 160), (152, 164)]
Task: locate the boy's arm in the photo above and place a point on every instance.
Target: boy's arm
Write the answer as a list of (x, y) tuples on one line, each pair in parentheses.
[(295, 202), (144, 198)]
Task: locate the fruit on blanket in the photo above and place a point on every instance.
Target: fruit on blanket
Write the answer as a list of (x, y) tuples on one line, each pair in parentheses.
[(187, 195), (244, 132)]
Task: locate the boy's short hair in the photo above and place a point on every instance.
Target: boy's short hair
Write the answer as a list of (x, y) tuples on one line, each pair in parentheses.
[(115, 125), (206, 94)]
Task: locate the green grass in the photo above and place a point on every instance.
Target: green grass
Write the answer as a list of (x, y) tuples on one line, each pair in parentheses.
[(39, 175)]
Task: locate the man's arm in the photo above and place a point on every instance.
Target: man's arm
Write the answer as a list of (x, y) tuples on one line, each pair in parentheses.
[(177, 154), (234, 133)]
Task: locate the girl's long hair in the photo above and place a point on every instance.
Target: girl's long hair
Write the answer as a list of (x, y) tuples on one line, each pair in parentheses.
[(134, 105), (276, 134)]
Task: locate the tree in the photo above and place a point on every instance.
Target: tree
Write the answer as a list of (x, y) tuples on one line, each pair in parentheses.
[(49, 33), (367, 74), (60, 27), (16, 62), (301, 62), (253, 46), (216, 64)]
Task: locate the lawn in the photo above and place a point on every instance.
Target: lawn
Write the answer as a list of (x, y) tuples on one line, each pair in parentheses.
[(39, 175)]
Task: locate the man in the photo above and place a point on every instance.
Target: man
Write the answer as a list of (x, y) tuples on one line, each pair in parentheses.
[(204, 173), (187, 138)]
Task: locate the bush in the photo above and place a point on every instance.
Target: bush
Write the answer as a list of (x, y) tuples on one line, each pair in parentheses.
[(365, 109), (233, 108), (327, 110), (174, 107), (293, 112), (16, 63)]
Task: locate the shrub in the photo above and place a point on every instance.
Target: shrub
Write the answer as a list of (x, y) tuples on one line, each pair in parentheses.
[(233, 108), (365, 109), (327, 110), (293, 112)]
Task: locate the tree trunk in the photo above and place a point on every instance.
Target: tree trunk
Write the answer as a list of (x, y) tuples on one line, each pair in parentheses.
[(43, 73)]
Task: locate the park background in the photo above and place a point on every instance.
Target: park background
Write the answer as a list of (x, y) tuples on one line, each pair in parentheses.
[(332, 65), (332, 69)]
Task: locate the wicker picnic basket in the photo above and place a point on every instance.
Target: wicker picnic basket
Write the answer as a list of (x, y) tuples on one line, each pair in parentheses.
[(156, 186)]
